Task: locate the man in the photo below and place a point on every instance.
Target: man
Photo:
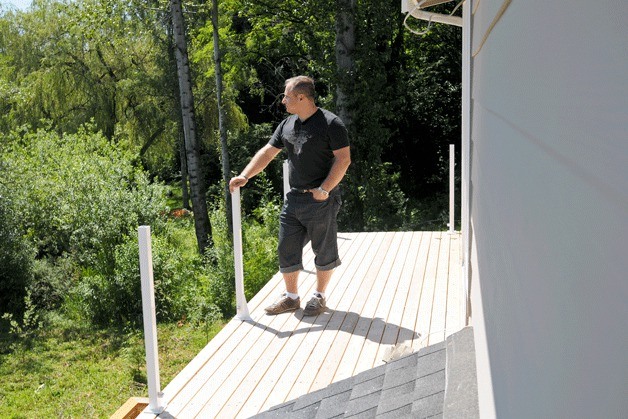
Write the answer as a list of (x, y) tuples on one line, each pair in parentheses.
[(317, 145)]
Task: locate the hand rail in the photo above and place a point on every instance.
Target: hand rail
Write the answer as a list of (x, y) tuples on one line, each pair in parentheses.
[(241, 305)]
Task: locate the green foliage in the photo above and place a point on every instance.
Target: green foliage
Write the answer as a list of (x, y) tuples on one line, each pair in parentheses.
[(91, 60), (16, 268), (180, 282), (259, 235), (22, 331), (260, 246), (52, 280), (384, 204), (78, 193)]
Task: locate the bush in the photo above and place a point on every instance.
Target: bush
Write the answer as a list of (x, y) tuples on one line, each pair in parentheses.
[(179, 278), (260, 232), (16, 269), (376, 203), (81, 196), (78, 193)]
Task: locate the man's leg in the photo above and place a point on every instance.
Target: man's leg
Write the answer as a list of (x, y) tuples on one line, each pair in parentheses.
[(292, 282), (322, 279), (291, 240)]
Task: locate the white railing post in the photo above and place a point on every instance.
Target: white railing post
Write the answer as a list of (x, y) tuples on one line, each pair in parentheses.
[(155, 396), (241, 305), (286, 178), (452, 187)]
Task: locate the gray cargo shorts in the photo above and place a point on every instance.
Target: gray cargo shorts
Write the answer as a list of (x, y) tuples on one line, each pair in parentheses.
[(303, 219)]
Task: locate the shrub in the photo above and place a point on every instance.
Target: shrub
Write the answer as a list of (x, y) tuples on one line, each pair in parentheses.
[(179, 279), (79, 193), (16, 270), (259, 235)]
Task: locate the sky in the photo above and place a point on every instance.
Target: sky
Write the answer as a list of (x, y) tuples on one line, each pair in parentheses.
[(20, 4)]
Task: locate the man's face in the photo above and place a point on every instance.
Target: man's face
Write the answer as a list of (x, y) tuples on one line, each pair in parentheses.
[(291, 100)]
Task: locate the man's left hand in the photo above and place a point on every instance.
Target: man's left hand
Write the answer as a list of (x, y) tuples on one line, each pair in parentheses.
[(319, 195)]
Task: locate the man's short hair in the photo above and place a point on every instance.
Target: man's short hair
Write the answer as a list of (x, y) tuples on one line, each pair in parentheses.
[(302, 85)]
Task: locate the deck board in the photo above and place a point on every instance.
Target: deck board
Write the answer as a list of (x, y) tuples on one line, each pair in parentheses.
[(392, 288)]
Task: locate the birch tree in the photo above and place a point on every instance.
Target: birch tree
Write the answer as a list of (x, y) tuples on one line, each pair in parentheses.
[(197, 187)]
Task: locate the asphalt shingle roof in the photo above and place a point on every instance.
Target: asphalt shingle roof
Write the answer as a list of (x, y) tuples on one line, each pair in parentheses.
[(412, 386)]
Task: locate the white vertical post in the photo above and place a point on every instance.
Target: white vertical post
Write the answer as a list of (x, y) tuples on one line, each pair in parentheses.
[(452, 187), (241, 305), (465, 153), (155, 396), (286, 178)]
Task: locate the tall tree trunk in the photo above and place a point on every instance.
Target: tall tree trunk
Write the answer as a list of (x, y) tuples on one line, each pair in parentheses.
[(222, 127), (185, 191), (345, 68), (345, 46), (197, 189)]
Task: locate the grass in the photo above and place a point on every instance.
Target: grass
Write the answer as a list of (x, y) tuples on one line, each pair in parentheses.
[(70, 373)]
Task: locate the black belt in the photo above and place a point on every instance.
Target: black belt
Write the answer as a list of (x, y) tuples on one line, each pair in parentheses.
[(300, 190)]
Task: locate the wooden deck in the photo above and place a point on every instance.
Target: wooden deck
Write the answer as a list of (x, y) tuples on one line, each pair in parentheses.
[(392, 288)]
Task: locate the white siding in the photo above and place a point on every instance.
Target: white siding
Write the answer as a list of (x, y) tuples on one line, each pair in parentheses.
[(549, 207)]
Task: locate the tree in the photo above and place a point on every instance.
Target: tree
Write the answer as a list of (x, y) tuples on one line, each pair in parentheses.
[(345, 47), (197, 187), (71, 63), (222, 127)]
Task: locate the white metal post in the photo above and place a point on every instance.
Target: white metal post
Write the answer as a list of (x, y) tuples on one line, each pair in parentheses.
[(452, 187), (155, 396), (241, 305), (286, 178)]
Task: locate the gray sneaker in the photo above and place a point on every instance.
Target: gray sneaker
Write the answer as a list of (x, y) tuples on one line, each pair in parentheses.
[(315, 306), (284, 304)]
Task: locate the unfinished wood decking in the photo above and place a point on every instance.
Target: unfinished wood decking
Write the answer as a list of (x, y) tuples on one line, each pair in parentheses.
[(392, 288)]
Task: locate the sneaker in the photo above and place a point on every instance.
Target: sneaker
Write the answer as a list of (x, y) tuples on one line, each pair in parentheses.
[(284, 304), (315, 306)]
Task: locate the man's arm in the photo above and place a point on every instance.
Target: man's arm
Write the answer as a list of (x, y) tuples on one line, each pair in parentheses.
[(258, 163), (342, 160)]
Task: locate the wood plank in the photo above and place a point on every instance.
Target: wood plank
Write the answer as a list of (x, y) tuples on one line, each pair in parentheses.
[(274, 354), (439, 304), (294, 335), (253, 351), (408, 332), (292, 380), (359, 320), (400, 299), (335, 344), (427, 293), (454, 317), (369, 328), (368, 357), (390, 288)]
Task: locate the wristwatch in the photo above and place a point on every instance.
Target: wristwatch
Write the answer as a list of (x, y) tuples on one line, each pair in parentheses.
[(323, 191)]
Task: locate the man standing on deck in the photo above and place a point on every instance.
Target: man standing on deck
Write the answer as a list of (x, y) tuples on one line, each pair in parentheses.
[(317, 145)]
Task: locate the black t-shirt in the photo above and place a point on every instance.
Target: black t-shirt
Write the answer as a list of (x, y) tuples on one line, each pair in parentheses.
[(310, 145)]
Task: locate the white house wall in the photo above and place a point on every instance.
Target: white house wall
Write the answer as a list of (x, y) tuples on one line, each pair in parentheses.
[(549, 207)]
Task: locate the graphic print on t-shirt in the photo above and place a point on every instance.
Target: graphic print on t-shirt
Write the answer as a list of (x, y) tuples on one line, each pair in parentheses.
[(297, 139)]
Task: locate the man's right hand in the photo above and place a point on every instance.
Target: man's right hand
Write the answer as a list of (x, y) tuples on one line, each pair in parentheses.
[(237, 182)]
